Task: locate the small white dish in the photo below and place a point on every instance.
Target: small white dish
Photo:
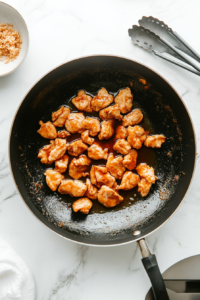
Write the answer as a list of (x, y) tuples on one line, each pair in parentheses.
[(8, 14)]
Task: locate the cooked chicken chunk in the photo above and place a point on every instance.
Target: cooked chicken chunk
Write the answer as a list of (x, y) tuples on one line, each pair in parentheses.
[(125, 100), (93, 125), (75, 188), (107, 129), (146, 172), (144, 187), (111, 112), (122, 146), (121, 132), (92, 191), (136, 136), (133, 118), (74, 122), (129, 181), (109, 197), (83, 102), (63, 134), (78, 167), (101, 100), (59, 117), (53, 179), (47, 130), (86, 138), (155, 141), (76, 148), (96, 152), (60, 147), (44, 154), (115, 166), (130, 160), (83, 205), (99, 176), (61, 164)]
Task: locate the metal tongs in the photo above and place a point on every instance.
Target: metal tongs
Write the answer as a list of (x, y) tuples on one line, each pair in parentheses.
[(154, 35)]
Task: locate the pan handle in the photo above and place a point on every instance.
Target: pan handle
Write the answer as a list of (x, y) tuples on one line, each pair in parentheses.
[(151, 266)]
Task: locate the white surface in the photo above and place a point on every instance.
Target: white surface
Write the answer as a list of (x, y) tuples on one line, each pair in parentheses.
[(59, 31)]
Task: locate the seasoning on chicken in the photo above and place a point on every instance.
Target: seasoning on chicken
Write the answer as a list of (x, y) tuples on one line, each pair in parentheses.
[(107, 129), (155, 141), (97, 152), (60, 147), (115, 166), (125, 100), (53, 179), (93, 125), (75, 188), (74, 122), (59, 117), (121, 132), (144, 187), (61, 164), (76, 148), (83, 205), (122, 146), (63, 134), (109, 197), (146, 172), (129, 181), (101, 100), (111, 112), (136, 136), (130, 160), (47, 130), (92, 191), (44, 154), (99, 176), (83, 102), (78, 167), (133, 118), (86, 138)]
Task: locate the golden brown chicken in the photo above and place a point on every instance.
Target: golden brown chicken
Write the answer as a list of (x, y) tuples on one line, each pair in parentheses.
[(144, 187), (99, 176), (133, 118), (47, 130), (125, 100), (107, 129), (60, 116), (130, 160), (115, 166), (83, 102), (121, 132), (101, 100), (146, 172), (93, 125), (75, 188), (92, 191), (44, 153), (63, 134), (122, 146), (97, 152), (136, 136), (78, 167), (109, 197), (61, 164), (74, 122), (60, 147), (155, 141), (53, 179), (76, 148), (111, 112), (86, 138), (129, 181), (83, 205)]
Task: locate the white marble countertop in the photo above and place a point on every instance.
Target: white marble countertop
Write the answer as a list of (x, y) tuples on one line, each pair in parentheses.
[(59, 31)]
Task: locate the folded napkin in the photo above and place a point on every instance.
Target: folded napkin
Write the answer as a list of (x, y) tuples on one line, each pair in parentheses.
[(16, 280)]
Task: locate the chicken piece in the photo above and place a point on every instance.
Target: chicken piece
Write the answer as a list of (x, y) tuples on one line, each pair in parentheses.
[(93, 125), (111, 112), (101, 100), (76, 148), (121, 132), (115, 166), (133, 118), (92, 191), (144, 187), (75, 188), (44, 154), (125, 100), (122, 146), (74, 122), (99, 176), (107, 129), (78, 167), (63, 134), (86, 138), (146, 172), (130, 160), (97, 152), (47, 130), (59, 117), (109, 197), (129, 181), (136, 136), (83, 205), (83, 101), (61, 164), (155, 141), (53, 179), (60, 147)]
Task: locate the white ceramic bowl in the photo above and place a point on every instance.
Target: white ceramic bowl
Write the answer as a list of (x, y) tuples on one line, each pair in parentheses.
[(8, 14)]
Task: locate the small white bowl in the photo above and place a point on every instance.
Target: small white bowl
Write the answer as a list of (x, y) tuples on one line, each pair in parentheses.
[(8, 14)]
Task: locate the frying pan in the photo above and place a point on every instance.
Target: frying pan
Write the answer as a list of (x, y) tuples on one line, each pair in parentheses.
[(136, 217)]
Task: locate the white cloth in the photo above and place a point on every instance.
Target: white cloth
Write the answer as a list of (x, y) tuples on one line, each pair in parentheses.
[(16, 280)]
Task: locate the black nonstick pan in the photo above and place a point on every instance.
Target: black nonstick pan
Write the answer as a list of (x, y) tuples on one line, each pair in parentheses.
[(136, 217)]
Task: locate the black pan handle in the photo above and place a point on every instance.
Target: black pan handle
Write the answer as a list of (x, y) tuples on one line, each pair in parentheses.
[(151, 266)]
